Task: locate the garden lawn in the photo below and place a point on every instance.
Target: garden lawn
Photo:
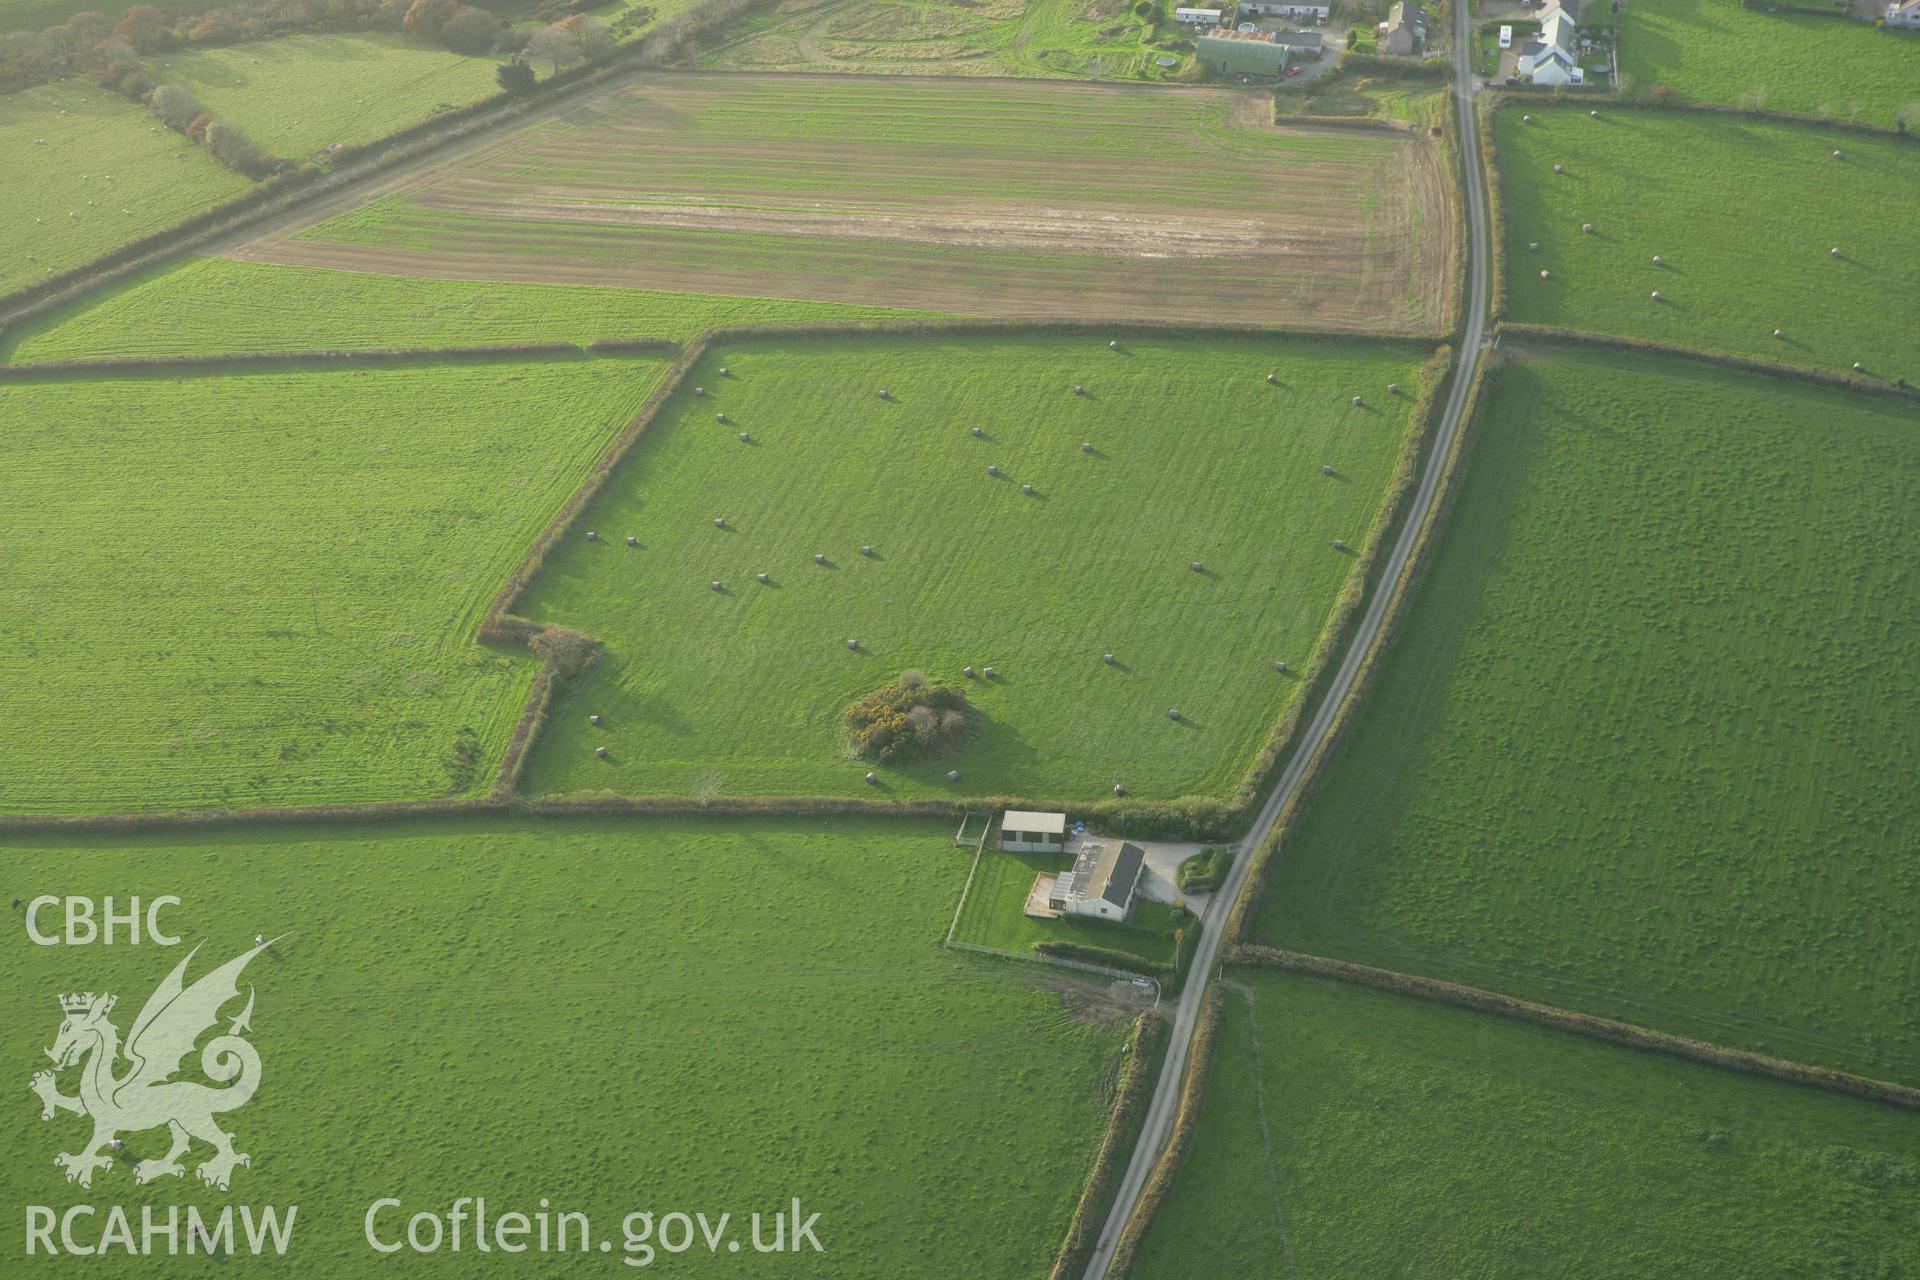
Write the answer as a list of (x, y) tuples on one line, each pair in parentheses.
[(198, 306), (62, 200), (741, 691), (1717, 51), (262, 587), (1646, 744), (1744, 216), (994, 912), (1352, 1133), (297, 95), (613, 1016)]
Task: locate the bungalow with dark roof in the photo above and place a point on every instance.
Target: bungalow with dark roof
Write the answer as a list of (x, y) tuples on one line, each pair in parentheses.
[(1104, 879)]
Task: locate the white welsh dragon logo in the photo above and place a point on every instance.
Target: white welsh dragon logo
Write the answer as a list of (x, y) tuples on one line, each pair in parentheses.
[(147, 1095)]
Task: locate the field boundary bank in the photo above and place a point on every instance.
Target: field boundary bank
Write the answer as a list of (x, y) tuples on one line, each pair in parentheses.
[(1525, 335), (127, 366), (1035, 957), (355, 164), (1626, 1035), (1166, 1171), (1641, 100), (1196, 816), (1398, 608), (1146, 1051), (1204, 817)]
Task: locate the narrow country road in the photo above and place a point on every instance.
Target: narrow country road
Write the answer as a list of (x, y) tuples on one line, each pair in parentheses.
[(1161, 1112)]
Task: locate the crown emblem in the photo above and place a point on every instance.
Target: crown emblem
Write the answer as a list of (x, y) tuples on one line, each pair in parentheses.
[(76, 1003)]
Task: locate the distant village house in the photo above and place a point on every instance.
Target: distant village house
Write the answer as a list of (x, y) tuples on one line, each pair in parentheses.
[(1404, 33)]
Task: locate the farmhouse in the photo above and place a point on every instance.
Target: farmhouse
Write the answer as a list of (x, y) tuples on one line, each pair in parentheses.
[(1104, 879), (1285, 9), (1199, 17), (1022, 831), (1404, 33), (1904, 13), (1553, 59), (1242, 53)]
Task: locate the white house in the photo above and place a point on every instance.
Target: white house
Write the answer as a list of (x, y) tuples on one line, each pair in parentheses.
[(1103, 882), (1025, 832), (1198, 17), (1904, 13), (1285, 9), (1554, 59)]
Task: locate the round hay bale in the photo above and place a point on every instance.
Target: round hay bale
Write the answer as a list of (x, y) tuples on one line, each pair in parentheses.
[(1113, 346), (866, 550), (1079, 390), (1325, 470), (724, 373), (873, 779), (967, 672), (1594, 115), (745, 438), (719, 417), (1197, 567), (1173, 713), (1545, 274), (1657, 262), (885, 394), (1533, 246), (993, 471), (600, 753), (1833, 253), (853, 644), (592, 536), (716, 585), (1858, 367), (1339, 544), (953, 775), (1280, 666), (1086, 446), (1393, 388), (1837, 155), (1119, 790), (594, 719), (1357, 400), (819, 559), (975, 432), (719, 522), (632, 541), (760, 577), (1586, 228), (987, 672), (1526, 119), (1107, 658), (1779, 333), (1026, 489), (699, 391), (1273, 379), (1656, 295), (1559, 168)]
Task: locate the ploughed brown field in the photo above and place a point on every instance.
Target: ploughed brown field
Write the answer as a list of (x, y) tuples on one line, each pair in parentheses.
[(1035, 200)]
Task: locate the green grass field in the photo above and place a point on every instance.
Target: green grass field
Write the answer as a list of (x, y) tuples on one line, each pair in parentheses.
[(76, 157), (297, 95), (618, 1016), (1716, 51), (993, 916), (197, 306), (1352, 1133), (740, 691), (1646, 743), (1038, 199), (1744, 216), (262, 588), (1091, 39)]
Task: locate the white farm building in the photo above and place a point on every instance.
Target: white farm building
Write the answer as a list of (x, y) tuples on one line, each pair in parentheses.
[(1104, 879), (1022, 831)]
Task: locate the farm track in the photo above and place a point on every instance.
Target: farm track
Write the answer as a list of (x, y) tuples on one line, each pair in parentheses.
[(1157, 1131), (923, 196)]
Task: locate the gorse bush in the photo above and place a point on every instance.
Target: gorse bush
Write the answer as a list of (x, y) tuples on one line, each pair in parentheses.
[(910, 720)]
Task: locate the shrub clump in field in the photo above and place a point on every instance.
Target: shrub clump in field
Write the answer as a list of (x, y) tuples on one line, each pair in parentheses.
[(910, 720)]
